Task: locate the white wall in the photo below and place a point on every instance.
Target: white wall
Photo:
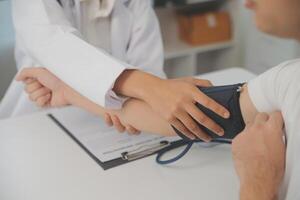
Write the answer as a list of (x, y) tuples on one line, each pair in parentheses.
[(7, 64), (264, 51), (261, 51)]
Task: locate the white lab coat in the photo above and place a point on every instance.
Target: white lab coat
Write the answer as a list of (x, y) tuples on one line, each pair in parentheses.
[(48, 35)]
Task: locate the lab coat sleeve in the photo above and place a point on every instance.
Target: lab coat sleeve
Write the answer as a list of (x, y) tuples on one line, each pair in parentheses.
[(21, 56), (146, 48), (51, 40)]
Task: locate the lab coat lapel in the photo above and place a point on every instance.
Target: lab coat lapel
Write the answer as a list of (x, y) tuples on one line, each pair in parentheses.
[(121, 24)]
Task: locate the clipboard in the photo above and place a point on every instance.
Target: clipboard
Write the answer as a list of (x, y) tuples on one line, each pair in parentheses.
[(125, 157)]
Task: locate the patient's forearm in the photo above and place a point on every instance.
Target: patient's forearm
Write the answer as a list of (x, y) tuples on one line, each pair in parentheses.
[(140, 115), (134, 112)]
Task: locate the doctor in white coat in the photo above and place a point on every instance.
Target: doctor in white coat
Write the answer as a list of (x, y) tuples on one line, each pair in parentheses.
[(87, 43), (93, 46)]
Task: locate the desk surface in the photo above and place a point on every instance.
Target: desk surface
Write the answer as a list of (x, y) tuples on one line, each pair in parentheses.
[(39, 161)]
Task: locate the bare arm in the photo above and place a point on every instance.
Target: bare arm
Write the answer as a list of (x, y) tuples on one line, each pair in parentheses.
[(135, 113), (260, 166), (259, 157)]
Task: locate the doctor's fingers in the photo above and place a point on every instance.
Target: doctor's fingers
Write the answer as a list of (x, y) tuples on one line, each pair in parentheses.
[(33, 87), (39, 93), (198, 82), (192, 126), (204, 120), (201, 82), (187, 126), (211, 104), (180, 127)]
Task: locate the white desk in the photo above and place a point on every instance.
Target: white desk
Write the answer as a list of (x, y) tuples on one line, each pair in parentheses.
[(39, 162)]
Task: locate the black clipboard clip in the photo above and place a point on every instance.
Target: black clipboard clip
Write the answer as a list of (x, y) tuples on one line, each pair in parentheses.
[(144, 151)]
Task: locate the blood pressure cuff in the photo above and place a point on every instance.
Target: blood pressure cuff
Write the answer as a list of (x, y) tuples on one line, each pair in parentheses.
[(227, 96)]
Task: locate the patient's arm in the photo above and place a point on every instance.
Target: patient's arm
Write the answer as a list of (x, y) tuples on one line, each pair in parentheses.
[(135, 112), (45, 89), (139, 114)]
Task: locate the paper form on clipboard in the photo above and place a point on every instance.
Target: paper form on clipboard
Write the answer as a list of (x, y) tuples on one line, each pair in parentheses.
[(104, 142)]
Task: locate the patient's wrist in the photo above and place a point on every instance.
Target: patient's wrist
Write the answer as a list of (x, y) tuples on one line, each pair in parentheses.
[(71, 96), (76, 99)]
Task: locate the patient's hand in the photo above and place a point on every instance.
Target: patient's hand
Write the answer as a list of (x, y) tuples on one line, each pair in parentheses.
[(259, 157), (43, 87), (37, 92)]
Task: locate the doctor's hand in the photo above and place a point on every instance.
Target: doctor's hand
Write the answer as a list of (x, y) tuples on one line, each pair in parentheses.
[(43, 87), (259, 157), (174, 100)]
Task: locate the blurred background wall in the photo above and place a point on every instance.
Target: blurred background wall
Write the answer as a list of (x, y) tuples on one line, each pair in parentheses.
[(7, 63)]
